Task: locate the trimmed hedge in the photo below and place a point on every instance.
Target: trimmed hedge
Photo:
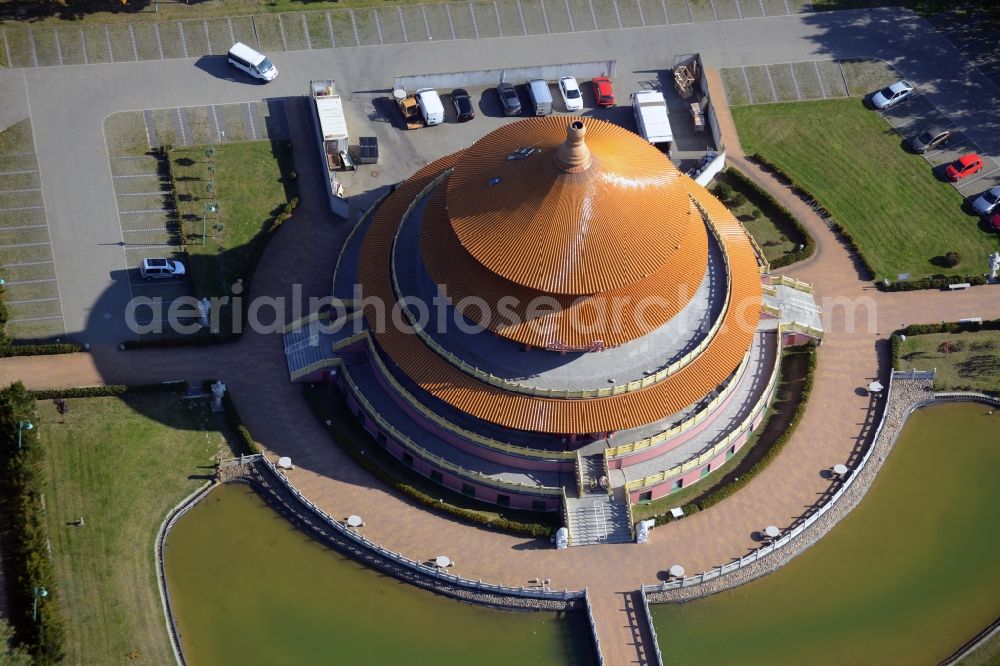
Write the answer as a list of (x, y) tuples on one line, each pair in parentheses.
[(40, 350), (26, 558), (108, 391), (933, 282), (715, 496), (952, 327), (809, 245), (376, 470)]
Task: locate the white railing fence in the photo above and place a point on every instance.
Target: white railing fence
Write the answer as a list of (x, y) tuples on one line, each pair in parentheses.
[(593, 628), (652, 630)]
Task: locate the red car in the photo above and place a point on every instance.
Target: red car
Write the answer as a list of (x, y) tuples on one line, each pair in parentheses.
[(603, 93), (966, 165)]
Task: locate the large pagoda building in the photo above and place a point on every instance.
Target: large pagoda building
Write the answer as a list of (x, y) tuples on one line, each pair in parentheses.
[(555, 318)]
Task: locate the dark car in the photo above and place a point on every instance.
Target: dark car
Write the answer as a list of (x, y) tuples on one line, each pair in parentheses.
[(509, 99), (463, 104), (932, 138)]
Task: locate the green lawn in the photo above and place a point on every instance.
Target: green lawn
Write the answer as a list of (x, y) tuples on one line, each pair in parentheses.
[(772, 231), (851, 161), (251, 183), (121, 464), (970, 362)]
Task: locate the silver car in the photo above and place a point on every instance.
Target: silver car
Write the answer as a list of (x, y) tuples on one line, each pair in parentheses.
[(987, 202), (892, 95)]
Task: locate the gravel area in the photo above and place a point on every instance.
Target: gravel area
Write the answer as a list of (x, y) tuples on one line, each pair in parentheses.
[(907, 395)]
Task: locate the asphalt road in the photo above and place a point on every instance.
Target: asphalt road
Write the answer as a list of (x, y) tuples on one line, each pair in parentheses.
[(68, 104)]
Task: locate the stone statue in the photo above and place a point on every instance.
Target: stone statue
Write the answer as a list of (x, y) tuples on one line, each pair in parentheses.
[(994, 265), (642, 530), (204, 309), (218, 390)]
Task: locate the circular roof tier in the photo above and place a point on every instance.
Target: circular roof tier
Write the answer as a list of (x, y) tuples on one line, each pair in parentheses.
[(571, 210)]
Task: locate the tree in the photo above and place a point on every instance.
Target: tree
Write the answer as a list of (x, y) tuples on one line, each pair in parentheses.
[(11, 656)]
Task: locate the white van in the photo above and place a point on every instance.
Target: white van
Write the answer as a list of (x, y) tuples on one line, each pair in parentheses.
[(253, 62), (430, 106), (541, 97)]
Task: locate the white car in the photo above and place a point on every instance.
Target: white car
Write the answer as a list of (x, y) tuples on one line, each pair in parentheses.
[(570, 91), (159, 268), (892, 95), (988, 201)]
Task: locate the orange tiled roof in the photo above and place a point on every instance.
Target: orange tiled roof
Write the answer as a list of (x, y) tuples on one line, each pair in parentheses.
[(612, 211), (519, 411), (611, 318)]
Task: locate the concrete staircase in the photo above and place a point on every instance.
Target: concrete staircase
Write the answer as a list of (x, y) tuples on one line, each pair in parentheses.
[(307, 347), (597, 517)]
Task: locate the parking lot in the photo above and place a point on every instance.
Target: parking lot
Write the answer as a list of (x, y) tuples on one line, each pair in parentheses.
[(149, 40), (147, 213), (32, 295), (828, 79)]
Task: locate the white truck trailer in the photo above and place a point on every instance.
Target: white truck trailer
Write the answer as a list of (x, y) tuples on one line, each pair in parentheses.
[(651, 117), (331, 131)]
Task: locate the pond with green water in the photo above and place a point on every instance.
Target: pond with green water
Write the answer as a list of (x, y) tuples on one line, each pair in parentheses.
[(907, 578), (248, 588)]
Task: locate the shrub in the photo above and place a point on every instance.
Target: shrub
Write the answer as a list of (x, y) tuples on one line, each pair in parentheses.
[(26, 558), (40, 350), (952, 259), (109, 390), (807, 244), (938, 282), (233, 418)]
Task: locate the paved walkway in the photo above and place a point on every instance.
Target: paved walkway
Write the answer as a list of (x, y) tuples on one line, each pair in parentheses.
[(853, 353)]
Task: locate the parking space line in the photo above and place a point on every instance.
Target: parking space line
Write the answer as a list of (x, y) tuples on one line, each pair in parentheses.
[(305, 29), (451, 24), (739, 9), (715, 14), (159, 246), (23, 244), (593, 14), (83, 48), (27, 319), (139, 175), (159, 42), (618, 14), (329, 28), (135, 48), (208, 37), (572, 25), (822, 88), (378, 25), (23, 226), (663, 4), (763, 12), (107, 38), (139, 212), (145, 229), (17, 173), (184, 41), (545, 15), (747, 82), (496, 11), (520, 13), (39, 281), (32, 300), (354, 26), (34, 51), (402, 23), (6, 44), (27, 189), (249, 117), (770, 82), (281, 28), (475, 23), (788, 10), (151, 137), (58, 46), (133, 157), (795, 82), (232, 33), (2, 210), (690, 13), (427, 26), (29, 263)]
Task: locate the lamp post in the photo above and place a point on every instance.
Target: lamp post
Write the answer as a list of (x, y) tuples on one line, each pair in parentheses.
[(23, 425), (39, 592)]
